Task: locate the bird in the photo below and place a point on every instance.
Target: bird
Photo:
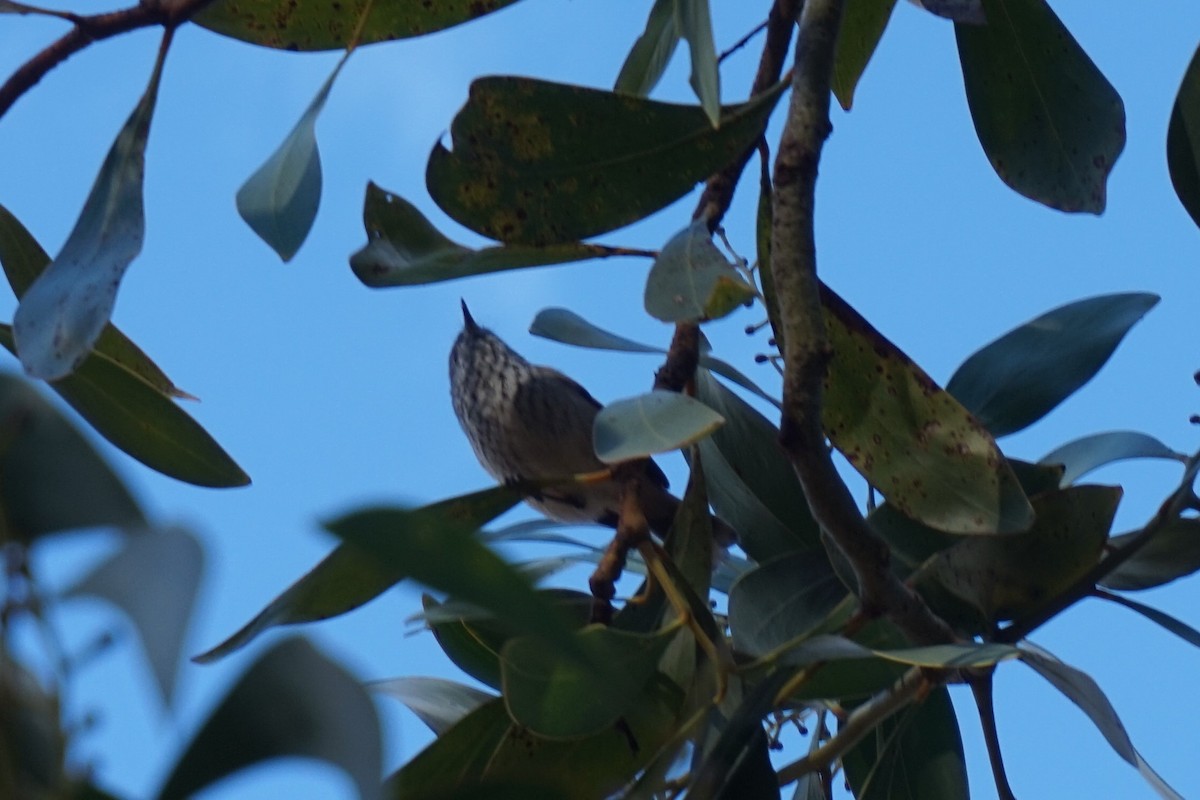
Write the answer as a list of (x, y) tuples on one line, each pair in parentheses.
[(529, 422)]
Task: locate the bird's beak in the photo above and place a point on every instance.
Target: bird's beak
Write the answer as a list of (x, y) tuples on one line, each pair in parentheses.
[(468, 321)]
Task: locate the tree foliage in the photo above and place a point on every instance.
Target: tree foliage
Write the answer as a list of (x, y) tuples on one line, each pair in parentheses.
[(847, 617)]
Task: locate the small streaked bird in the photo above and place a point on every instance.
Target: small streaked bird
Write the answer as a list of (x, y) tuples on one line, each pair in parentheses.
[(526, 421)]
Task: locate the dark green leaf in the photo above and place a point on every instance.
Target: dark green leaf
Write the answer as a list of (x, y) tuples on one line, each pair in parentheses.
[(751, 483), (1180, 629), (691, 280), (1183, 140), (24, 260), (349, 576), (1173, 552), (737, 740), (656, 422), (559, 698), (1051, 125), (651, 53), (439, 703), (403, 248), (315, 26), (486, 748), (293, 701), (784, 600), (142, 421), (438, 547), (917, 753), (970, 11), (1081, 456), (154, 579), (279, 201), (694, 22), (53, 479), (539, 163), (764, 221), (1019, 378), (863, 23), (476, 652), (911, 439), (1006, 577), (69, 304), (1081, 690)]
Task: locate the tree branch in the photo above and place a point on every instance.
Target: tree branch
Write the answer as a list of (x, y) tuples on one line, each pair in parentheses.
[(93, 29), (718, 192), (806, 348), (861, 721), (1180, 500)]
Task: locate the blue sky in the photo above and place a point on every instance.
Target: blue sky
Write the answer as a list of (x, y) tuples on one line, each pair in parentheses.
[(331, 395)]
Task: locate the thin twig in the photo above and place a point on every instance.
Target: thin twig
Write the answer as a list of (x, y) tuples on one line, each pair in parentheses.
[(981, 688), (861, 722), (742, 42), (92, 29)]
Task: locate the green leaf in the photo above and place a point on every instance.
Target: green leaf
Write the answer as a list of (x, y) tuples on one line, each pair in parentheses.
[(783, 600), (438, 703), (1050, 123), (562, 325), (691, 280), (738, 739), (24, 260), (656, 422), (916, 753), (1180, 629), (143, 422), (404, 249), (694, 22), (315, 26), (438, 547), (1172, 553), (53, 479), (1019, 378), (1081, 456), (751, 483), (154, 579), (487, 749), (1007, 577), (911, 439), (863, 23), (1183, 140), (1084, 692), (474, 651), (969, 11), (351, 576), (68, 305), (647, 61), (540, 163), (559, 698), (279, 201), (293, 701)]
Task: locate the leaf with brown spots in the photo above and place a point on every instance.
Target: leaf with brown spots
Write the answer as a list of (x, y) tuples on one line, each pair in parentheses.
[(1008, 577), (910, 438), (1051, 124), (539, 163), (289, 25)]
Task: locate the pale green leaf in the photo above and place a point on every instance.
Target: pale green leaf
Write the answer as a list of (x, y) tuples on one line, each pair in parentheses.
[(656, 422), (69, 304)]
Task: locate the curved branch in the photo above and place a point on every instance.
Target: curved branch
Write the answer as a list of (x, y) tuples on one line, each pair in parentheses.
[(93, 29), (805, 345)]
